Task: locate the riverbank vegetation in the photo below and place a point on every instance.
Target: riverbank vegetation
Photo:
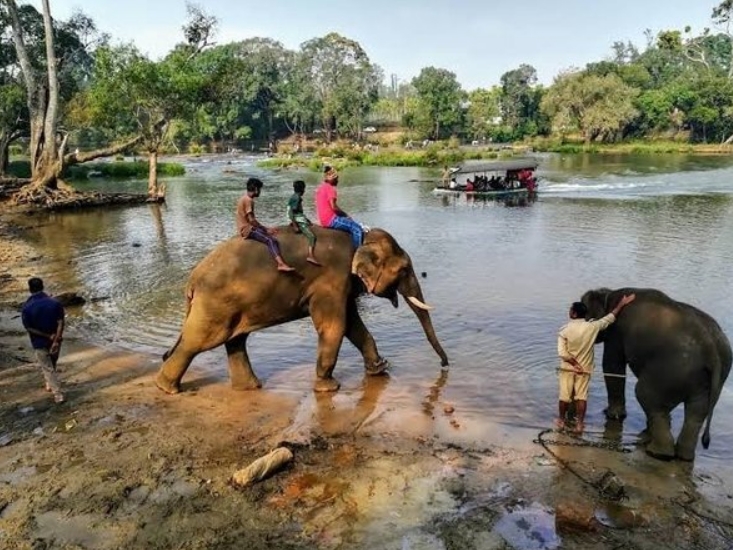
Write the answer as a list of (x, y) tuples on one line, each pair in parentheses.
[(118, 169), (70, 94)]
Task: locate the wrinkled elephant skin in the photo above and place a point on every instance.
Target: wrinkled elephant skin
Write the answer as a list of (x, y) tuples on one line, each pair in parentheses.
[(236, 290), (678, 353)]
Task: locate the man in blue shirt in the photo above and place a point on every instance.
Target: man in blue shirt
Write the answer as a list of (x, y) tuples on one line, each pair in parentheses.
[(43, 319)]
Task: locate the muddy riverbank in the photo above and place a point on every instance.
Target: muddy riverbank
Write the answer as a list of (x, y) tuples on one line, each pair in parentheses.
[(121, 465)]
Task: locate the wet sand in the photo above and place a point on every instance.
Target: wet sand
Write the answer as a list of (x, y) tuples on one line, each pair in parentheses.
[(121, 465)]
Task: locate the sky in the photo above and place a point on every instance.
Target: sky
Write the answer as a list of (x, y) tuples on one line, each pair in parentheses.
[(478, 40)]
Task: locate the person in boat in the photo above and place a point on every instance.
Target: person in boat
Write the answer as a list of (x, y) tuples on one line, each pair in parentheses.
[(469, 185), (453, 184), (446, 176), (329, 213)]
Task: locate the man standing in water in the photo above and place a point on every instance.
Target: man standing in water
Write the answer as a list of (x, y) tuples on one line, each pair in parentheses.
[(577, 360), (329, 213), (43, 319)]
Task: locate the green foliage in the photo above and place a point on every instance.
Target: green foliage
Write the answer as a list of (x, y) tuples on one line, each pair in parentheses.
[(122, 170), (440, 96), (599, 107), (432, 156)]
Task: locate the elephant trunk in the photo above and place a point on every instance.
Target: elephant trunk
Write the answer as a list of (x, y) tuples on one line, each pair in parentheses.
[(411, 291)]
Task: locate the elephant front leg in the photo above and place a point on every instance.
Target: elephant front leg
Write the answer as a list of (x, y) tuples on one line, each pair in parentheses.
[(359, 335), (240, 369), (329, 318), (614, 370)]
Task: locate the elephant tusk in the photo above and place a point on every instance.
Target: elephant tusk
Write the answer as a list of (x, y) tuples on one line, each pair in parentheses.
[(417, 303)]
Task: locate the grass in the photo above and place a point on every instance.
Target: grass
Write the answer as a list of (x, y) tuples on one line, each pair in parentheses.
[(632, 147), (115, 170), (341, 159)]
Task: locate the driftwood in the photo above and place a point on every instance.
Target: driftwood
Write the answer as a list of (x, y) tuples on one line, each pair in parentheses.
[(262, 467), (68, 199)]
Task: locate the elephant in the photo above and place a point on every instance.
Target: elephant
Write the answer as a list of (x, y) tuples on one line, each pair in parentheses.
[(678, 353), (236, 290)]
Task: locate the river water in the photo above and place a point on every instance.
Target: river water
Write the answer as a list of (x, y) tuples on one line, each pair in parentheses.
[(500, 277)]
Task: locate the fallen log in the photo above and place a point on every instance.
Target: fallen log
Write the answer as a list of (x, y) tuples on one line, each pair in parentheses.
[(262, 467)]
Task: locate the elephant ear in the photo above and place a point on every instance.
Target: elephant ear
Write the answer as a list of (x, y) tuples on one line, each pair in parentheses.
[(367, 265)]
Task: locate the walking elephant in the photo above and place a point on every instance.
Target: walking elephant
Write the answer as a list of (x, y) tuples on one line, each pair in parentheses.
[(236, 290), (678, 353)]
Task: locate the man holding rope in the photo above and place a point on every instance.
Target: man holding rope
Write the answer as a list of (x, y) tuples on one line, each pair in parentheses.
[(577, 361)]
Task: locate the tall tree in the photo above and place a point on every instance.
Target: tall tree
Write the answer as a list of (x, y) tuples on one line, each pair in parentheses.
[(599, 107), (344, 81), (483, 109), (43, 98), (440, 97), (520, 100)]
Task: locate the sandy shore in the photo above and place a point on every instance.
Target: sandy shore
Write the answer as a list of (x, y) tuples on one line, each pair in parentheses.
[(121, 465)]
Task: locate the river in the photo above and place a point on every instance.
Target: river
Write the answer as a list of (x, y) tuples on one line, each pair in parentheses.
[(501, 278)]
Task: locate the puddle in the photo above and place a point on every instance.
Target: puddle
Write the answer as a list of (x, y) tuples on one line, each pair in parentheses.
[(529, 527), (618, 516)]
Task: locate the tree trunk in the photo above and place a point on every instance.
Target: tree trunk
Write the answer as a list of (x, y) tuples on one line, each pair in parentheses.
[(4, 152), (153, 175), (42, 98)]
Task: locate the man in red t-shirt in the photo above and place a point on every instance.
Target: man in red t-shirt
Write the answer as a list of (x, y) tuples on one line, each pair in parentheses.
[(329, 213)]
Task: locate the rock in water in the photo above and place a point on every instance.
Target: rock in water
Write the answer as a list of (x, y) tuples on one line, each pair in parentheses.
[(68, 299), (262, 467)]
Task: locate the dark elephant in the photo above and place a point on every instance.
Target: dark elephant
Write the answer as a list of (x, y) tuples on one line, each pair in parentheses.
[(236, 290), (679, 355)]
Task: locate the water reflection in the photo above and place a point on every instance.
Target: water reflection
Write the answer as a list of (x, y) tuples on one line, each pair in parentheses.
[(500, 275)]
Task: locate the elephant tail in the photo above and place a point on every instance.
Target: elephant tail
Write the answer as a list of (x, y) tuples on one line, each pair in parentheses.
[(716, 386), (189, 299)]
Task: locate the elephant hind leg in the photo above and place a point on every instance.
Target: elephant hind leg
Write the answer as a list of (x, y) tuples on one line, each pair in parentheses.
[(661, 444), (240, 369), (198, 334), (696, 409)]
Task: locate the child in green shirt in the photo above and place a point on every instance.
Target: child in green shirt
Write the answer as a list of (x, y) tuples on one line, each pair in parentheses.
[(298, 219)]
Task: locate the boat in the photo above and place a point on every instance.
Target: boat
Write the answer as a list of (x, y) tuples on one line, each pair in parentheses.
[(501, 178)]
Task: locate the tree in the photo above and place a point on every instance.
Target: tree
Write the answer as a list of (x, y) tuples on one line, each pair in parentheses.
[(130, 94), (43, 89), (265, 65), (440, 97), (599, 107), (483, 109), (342, 79), (520, 100)]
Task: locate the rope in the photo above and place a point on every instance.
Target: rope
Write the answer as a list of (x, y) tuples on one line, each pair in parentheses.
[(609, 375)]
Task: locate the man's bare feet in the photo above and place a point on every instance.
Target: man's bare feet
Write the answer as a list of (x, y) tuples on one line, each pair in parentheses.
[(312, 260), (560, 424), (579, 427), (285, 267)]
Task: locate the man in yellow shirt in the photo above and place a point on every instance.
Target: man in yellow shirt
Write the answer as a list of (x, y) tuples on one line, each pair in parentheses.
[(575, 348)]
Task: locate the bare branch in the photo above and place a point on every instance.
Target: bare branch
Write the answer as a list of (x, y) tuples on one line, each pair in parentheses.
[(78, 158)]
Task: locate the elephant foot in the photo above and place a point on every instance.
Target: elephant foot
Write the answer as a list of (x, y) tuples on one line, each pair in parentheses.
[(323, 385), (644, 437), (615, 413), (660, 451), (247, 385), (380, 367), (685, 454), (168, 386)]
